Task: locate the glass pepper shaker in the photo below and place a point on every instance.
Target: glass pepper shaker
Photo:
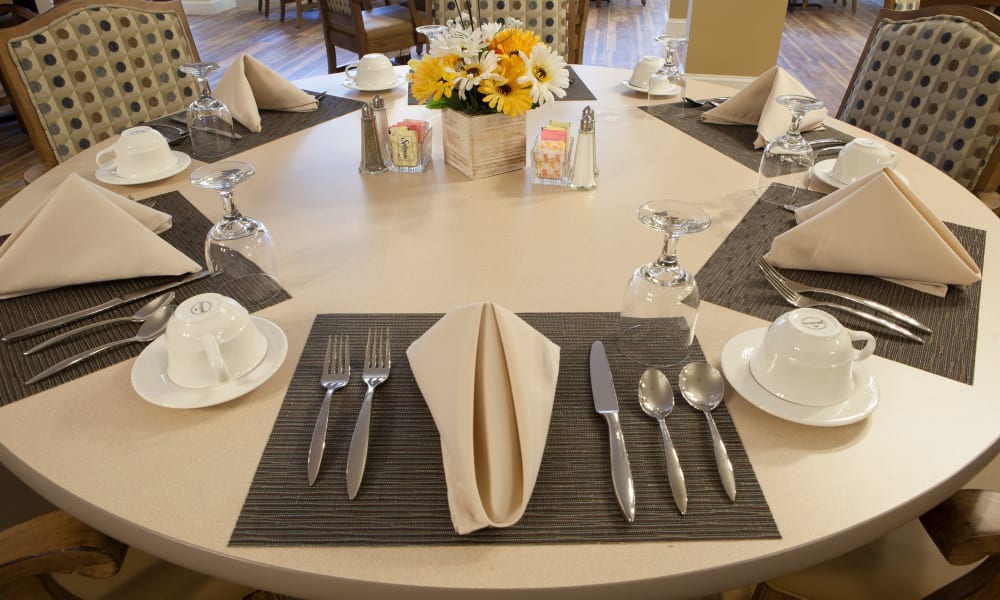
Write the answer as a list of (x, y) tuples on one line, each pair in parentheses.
[(371, 154), (382, 127)]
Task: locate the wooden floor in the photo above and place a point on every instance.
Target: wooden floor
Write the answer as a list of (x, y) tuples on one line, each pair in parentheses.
[(820, 46)]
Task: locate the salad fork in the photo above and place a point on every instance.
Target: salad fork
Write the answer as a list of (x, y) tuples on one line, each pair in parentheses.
[(336, 374), (771, 272), (800, 301), (377, 364)]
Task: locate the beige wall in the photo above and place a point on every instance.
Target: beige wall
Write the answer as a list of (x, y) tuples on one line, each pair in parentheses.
[(737, 38), (677, 9)]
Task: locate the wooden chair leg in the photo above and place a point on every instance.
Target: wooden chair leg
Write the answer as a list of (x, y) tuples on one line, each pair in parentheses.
[(298, 14)]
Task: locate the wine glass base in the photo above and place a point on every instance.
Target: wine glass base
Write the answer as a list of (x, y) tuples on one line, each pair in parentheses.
[(655, 342)]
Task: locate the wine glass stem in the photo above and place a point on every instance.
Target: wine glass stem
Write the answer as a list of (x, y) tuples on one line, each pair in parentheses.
[(796, 124), (204, 91), (668, 258), (229, 210)]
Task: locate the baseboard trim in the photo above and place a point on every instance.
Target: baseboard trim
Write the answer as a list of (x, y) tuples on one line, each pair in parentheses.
[(207, 7), (677, 27), (732, 81)]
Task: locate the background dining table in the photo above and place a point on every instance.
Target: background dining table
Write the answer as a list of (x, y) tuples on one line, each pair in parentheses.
[(172, 482)]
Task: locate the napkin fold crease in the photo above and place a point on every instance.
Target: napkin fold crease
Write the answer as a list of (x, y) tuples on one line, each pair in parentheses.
[(876, 226), (248, 86), (84, 233), (755, 105), (489, 381)]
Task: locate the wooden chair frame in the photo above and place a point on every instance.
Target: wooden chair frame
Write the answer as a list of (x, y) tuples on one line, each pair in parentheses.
[(349, 32), (17, 88), (989, 180)]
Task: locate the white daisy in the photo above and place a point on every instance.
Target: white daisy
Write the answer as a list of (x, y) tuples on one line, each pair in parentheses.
[(547, 73), (474, 70)]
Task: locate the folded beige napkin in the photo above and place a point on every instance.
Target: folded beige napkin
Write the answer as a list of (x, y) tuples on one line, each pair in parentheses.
[(755, 105), (489, 380), (876, 226), (249, 85), (84, 233)]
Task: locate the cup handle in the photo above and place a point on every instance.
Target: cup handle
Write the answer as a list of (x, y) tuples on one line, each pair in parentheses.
[(347, 70), (106, 165), (869, 346), (211, 347)]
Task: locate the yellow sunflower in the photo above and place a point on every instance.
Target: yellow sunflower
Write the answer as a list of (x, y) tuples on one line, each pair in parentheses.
[(511, 41), (505, 93), (431, 78)]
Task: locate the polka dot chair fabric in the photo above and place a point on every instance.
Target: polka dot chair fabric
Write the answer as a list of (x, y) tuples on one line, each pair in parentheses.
[(548, 18), (103, 68), (931, 85)]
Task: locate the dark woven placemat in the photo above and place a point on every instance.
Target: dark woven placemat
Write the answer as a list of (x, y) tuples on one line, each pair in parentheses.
[(274, 125), (735, 141), (577, 90), (403, 498), (187, 234), (732, 279)]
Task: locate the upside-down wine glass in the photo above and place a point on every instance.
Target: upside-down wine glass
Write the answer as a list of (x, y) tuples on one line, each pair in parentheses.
[(209, 123), (658, 318), (430, 32), (788, 159), (670, 79), (238, 249)]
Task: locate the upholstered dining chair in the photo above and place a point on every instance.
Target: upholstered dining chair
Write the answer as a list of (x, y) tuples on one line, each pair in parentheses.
[(928, 80), (358, 26), (952, 552), (87, 69), (559, 23)]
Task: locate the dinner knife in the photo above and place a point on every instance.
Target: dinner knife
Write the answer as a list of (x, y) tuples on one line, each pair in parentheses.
[(606, 403), (93, 310)]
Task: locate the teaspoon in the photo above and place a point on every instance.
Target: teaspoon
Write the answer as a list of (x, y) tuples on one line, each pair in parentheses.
[(702, 386), (656, 398), (145, 311), (149, 331)]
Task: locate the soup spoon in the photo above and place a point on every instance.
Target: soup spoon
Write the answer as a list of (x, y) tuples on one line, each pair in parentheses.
[(656, 398), (149, 331), (702, 386), (145, 312)]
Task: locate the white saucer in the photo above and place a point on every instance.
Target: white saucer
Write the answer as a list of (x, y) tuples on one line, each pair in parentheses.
[(823, 170), (108, 175), (149, 374), (736, 367), (353, 86), (645, 89)]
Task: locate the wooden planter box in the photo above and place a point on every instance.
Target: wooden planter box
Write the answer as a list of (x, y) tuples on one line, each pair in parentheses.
[(484, 145)]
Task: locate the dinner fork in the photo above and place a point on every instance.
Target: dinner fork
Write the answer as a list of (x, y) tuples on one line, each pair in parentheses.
[(800, 301), (377, 364), (771, 272), (336, 374)]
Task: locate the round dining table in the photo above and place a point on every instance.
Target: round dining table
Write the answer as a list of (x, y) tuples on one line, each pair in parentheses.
[(172, 482)]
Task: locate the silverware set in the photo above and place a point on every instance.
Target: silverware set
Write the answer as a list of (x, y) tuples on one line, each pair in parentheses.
[(336, 374), (792, 292), (702, 387)]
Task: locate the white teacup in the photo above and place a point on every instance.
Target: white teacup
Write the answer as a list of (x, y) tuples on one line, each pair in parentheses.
[(861, 157), (807, 357), (372, 72), (139, 152), (211, 339), (644, 69)]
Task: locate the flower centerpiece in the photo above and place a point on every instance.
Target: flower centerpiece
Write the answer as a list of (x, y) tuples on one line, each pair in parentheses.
[(486, 77)]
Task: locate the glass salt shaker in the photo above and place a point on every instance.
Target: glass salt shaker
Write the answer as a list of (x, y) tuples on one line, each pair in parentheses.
[(584, 173)]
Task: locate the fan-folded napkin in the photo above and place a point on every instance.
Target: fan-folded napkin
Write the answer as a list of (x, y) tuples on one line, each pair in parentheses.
[(249, 85), (755, 105), (876, 226), (84, 233), (489, 380)]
